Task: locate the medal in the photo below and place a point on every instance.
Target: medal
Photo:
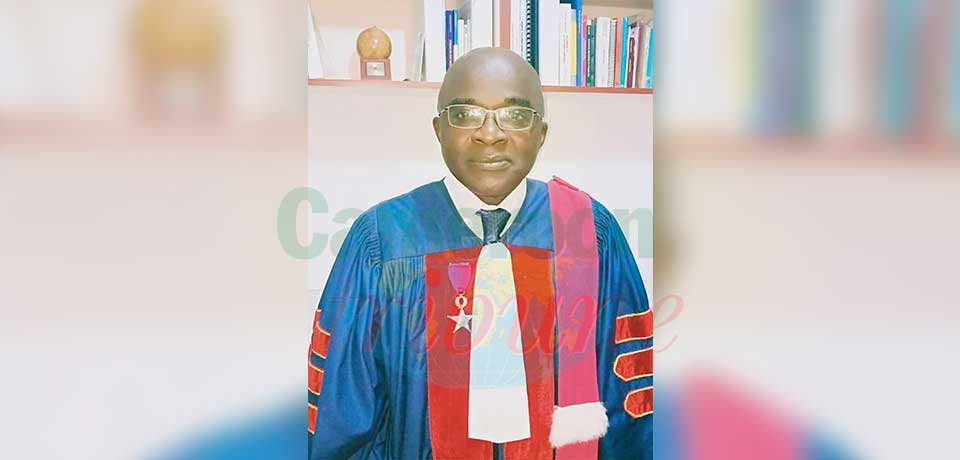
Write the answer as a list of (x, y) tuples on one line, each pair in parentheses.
[(460, 274)]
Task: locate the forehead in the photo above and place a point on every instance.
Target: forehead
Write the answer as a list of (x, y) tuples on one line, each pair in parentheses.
[(493, 90)]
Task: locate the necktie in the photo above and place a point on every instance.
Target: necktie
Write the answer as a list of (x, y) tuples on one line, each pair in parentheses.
[(493, 220), (498, 407)]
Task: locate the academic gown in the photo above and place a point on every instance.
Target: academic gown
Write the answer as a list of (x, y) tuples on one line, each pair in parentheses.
[(388, 377)]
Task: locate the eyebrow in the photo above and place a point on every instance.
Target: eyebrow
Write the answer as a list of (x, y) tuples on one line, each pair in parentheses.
[(523, 102), (462, 100)]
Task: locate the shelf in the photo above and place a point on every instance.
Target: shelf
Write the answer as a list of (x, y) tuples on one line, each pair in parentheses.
[(430, 85), (636, 4)]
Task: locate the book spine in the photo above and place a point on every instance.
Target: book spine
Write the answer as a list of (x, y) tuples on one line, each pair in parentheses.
[(503, 23), (583, 56), (523, 29), (612, 52), (574, 44), (591, 52), (527, 42), (533, 33), (618, 47), (563, 75), (602, 38), (516, 26), (638, 50), (449, 35), (644, 53), (622, 58), (456, 35), (631, 57), (623, 64), (648, 73)]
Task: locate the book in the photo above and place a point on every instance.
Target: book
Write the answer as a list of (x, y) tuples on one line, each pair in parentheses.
[(448, 34), (591, 53), (582, 55), (563, 53), (579, 42), (602, 55), (618, 48), (516, 27), (501, 23), (624, 33), (574, 44), (611, 52), (524, 5), (632, 55), (457, 36), (642, 77), (533, 35), (315, 49), (638, 51), (419, 71), (434, 38), (648, 67), (549, 41), (479, 26)]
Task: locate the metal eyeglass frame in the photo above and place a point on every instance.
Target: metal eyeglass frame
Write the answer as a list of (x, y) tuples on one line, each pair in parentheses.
[(496, 117)]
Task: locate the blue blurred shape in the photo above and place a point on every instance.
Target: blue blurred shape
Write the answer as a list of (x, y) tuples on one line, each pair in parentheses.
[(786, 51), (279, 435), (821, 446)]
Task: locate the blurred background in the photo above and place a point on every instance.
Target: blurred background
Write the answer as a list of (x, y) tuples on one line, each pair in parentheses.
[(806, 185)]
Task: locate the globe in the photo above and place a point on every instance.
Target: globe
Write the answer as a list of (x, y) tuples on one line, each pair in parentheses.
[(373, 43)]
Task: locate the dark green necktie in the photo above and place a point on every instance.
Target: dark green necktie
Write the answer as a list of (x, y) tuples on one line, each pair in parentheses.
[(493, 220)]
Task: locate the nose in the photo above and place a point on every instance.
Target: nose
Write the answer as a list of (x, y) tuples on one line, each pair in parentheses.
[(489, 133)]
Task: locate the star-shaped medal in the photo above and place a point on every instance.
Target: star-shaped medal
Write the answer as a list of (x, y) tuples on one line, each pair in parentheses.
[(462, 320)]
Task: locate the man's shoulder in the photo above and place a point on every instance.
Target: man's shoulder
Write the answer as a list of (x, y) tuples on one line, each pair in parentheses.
[(413, 223), (406, 203)]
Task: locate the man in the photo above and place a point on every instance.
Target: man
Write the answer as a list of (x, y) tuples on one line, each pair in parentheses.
[(526, 337)]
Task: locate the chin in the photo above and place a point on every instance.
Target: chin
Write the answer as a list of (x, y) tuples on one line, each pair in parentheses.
[(503, 184)]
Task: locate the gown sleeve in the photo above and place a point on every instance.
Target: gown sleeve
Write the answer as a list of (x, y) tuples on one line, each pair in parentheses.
[(345, 397), (624, 346)]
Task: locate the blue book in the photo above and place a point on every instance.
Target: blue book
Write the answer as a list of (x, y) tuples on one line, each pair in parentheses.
[(577, 7), (648, 72), (456, 33), (451, 28)]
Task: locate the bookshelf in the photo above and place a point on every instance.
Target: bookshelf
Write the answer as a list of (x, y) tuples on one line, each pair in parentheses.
[(433, 85), (404, 22)]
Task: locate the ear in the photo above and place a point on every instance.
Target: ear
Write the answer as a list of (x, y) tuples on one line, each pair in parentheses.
[(543, 134), (436, 127)]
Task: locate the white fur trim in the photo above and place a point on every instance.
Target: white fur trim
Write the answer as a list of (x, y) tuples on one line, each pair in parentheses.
[(578, 423)]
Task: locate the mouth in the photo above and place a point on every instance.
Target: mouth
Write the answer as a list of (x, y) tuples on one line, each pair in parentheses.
[(492, 164)]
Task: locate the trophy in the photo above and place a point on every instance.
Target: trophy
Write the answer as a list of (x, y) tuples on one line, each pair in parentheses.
[(373, 46)]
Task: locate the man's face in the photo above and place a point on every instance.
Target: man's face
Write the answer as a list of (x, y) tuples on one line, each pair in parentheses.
[(491, 161)]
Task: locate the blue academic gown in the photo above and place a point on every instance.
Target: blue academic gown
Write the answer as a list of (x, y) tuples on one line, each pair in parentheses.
[(370, 372)]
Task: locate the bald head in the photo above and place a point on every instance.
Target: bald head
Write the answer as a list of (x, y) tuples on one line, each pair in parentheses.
[(490, 73), (489, 160)]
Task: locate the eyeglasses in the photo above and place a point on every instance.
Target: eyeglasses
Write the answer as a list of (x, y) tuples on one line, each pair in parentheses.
[(513, 118)]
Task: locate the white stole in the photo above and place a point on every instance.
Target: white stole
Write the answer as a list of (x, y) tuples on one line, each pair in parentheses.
[(498, 407)]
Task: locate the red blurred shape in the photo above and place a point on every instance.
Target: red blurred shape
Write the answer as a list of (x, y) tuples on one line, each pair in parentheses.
[(721, 421)]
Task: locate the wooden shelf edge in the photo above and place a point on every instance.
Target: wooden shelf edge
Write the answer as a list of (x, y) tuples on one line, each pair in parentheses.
[(432, 85)]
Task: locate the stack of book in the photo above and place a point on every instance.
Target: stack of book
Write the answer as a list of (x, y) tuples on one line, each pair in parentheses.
[(611, 52), (458, 40), (564, 45)]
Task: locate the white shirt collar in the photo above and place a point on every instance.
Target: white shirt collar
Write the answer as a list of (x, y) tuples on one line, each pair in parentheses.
[(464, 200)]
